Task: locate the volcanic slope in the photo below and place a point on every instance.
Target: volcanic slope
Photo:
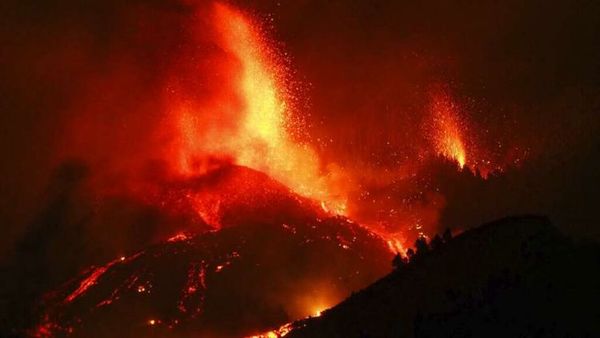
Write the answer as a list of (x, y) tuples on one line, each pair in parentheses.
[(516, 277), (277, 259)]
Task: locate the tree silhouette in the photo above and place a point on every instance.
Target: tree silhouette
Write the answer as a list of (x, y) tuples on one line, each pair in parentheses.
[(410, 253), (436, 242), (447, 236), (421, 246), (398, 261)]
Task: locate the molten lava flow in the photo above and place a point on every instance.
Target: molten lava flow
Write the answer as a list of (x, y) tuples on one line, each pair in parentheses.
[(394, 243), (255, 133), (448, 129), (282, 331), (91, 280), (190, 284)]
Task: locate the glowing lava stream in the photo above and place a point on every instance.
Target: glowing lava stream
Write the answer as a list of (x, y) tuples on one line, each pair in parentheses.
[(260, 139), (283, 330)]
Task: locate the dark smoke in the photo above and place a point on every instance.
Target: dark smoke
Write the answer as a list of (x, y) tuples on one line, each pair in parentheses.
[(74, 71)]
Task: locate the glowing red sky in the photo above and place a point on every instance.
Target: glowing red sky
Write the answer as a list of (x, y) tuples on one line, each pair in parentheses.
[(347, 102)]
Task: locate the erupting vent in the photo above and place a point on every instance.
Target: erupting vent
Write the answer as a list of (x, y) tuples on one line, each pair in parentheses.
[(259, 133), (270, 240)]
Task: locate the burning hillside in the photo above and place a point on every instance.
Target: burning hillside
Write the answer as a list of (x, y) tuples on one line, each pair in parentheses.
[(272, 264)]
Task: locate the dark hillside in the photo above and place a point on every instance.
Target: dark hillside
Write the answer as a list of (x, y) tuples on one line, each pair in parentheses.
[(515, 277)]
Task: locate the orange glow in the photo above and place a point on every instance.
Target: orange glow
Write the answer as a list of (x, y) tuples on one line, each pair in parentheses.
[(395, 244), (181, 236), (282, 331), (317, 313), (323, 296)]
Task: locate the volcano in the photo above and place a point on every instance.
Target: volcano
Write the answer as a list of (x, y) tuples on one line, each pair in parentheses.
[(182, 168), (275, 257)]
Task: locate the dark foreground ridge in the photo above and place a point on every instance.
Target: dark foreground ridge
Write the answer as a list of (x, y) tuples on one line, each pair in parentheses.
[(515, 277)]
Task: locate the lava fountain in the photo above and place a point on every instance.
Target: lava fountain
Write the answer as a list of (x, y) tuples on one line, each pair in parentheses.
[(448, 129), (261, 135)]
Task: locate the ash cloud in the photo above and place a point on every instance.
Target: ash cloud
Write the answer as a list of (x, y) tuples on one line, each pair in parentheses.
[(81, 80)]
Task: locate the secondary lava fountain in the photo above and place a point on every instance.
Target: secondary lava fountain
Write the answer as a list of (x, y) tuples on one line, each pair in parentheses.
[(447, 129)]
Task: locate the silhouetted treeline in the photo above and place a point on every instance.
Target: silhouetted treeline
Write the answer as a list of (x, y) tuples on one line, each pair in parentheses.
[(422, 248)]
